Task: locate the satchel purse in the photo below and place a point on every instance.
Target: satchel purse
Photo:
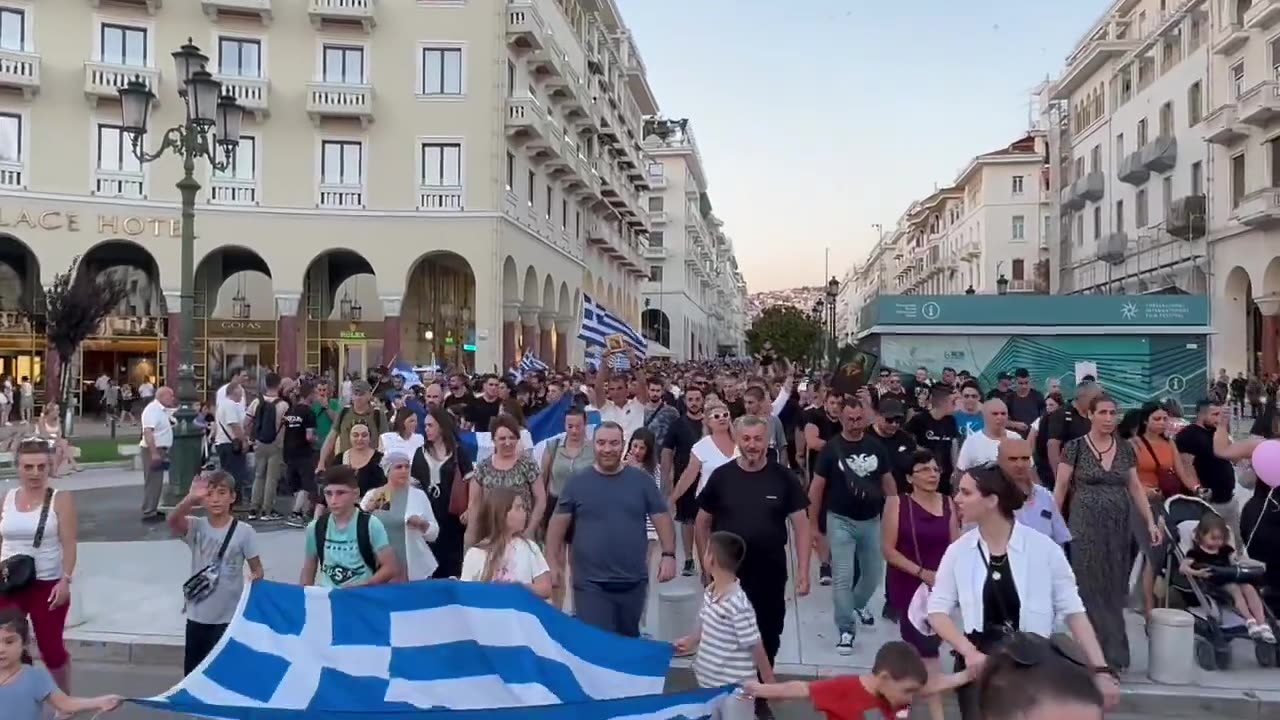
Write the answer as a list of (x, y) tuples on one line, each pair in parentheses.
[(1167, 481), (459, 493), (202, 584), (17, 572)]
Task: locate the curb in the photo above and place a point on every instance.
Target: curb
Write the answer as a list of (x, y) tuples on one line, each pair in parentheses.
[(1137, 697)]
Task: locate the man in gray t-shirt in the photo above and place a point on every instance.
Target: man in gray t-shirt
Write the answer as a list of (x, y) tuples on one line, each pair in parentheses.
[(607, 505)]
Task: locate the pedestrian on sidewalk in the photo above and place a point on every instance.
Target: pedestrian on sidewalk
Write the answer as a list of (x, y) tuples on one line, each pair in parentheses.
[(231, 442), (266, 420), (221, 546), (157, 438), (26, 689)]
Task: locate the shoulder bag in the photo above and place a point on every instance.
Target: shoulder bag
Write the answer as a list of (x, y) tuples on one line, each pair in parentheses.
[(199, 586), (1166, 477), (919, 599), (19, 571), (459, 491)]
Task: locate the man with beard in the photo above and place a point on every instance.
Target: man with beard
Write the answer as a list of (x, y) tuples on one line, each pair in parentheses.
[(684, 432), (608, 505), (754, 497), (658, 415), (1207, 453), (757, 406), (481, 410), (900, 444), (458, 395)]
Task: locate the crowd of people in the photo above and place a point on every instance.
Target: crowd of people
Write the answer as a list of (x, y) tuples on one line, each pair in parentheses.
[(986, 515)]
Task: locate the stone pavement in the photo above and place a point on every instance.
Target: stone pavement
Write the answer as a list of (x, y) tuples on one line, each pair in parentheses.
[(127, 608)]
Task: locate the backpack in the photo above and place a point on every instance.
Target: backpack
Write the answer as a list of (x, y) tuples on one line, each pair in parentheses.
[(363, 540), (266, 426), (374, 421)]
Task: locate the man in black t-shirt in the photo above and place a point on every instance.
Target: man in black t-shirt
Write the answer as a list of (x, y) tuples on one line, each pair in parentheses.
[(485, 407), (1069, 422), (681, 436), (1025, 403), (852, 480), (299, 454), (820, 424), (937, 431), (900, 444), (1207, 452)]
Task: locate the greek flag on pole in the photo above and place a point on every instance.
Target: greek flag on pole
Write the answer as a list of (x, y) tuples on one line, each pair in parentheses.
[(598, 324), (529, 363), (438, 649), (544, 426)]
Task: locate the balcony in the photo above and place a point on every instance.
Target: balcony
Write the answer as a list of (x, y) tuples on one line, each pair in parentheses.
[(1132, 171), (341, 196), (526, 119), (340, 100), (652, 252), (12, 175), (151, 5), (251, 93), (1234, 36), (525, 29), (658, 217), (1186, 217), (238, 8), (343, 12), (1259, 106), (1069, 200), (657, 182), (20, 71), (1160, 155), (1112, 248), (233, 191), (1222, 126), (104, 80), (1109, 44), (1090, 187), (433, 198), (1259, 209), (1263, 15), (114, 183)]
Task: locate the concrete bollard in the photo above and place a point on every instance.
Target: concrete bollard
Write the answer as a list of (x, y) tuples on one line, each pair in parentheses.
[(1171, 647), (76, 611), (678, 606)]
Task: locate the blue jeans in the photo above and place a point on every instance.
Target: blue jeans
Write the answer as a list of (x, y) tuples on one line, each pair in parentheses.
[(854, 543)]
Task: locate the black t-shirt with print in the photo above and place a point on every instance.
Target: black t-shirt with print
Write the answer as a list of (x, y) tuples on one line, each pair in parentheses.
[(937, 435), (854, 470), (297, 420), (900, 446)]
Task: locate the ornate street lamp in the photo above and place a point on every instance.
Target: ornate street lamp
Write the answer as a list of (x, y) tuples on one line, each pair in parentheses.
[(344, 306), (210, 130), (833, 294)]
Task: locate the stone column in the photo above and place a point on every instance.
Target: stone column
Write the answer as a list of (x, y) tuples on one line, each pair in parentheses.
[(52, 373), (1269, 306), (546, 348), (391, 329), (287, 332), (529, 323), (173, 303), (510, 319), (565, 326)]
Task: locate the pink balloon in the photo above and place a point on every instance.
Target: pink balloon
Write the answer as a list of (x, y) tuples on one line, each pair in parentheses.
[(1266, 462)]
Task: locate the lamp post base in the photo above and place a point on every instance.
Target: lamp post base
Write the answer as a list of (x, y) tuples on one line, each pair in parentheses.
[(184, 457)]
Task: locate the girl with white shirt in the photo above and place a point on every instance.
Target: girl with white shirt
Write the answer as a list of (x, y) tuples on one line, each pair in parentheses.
[(1005, 578), (404, 436), (502, 554)]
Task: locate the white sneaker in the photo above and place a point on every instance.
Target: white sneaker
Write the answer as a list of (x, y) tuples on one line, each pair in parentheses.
[(845, 645)]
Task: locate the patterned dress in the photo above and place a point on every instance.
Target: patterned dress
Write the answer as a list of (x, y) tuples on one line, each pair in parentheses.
[(520, 477), (1100, 535)]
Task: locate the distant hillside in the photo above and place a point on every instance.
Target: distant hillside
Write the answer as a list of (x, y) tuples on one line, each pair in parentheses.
[(801, 298)]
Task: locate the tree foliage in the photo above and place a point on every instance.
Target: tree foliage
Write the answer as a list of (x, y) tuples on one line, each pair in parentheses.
[(76, 304), (794, 334)]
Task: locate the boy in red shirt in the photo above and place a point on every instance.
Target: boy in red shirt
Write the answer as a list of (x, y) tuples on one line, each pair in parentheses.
[(897, 678)]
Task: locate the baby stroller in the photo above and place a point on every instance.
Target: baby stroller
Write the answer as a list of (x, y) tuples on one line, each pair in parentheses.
[(1217, 623)]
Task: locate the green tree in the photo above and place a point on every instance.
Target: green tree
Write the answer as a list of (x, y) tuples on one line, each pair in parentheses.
[(794, 334)]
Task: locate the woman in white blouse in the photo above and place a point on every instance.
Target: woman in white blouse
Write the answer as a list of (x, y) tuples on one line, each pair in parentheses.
[(404, 435), (1004, 578), (406, 513), (716, 448)]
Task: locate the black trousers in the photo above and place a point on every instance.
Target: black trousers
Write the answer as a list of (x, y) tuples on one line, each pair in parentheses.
[(201, 639), (616, 608), (765, 585)]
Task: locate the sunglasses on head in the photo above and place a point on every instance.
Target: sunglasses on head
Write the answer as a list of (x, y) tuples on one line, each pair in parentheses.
[(718, 415)]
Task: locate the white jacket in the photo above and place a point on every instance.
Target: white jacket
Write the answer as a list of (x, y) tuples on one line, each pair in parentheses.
[(418, 556)]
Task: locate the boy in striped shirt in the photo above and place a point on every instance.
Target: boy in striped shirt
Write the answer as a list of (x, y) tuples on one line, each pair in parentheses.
[(727, 638)]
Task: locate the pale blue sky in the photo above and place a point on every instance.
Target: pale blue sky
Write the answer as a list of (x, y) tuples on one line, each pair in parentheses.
[(819, 118)]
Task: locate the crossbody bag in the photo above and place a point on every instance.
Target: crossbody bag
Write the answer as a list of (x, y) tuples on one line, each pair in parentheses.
[(201, 585), (18, 571)]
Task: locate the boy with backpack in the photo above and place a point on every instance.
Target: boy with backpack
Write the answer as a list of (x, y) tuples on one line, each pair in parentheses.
[(265, 423), (346, 547)]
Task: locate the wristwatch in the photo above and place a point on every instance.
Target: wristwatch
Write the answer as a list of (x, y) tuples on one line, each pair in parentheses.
[(1106, 670)]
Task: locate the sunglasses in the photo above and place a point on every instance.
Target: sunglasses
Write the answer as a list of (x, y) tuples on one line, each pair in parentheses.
[(895, 420), (718, 416)]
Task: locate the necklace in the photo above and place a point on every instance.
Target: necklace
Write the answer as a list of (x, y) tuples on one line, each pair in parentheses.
[(1094, 448)]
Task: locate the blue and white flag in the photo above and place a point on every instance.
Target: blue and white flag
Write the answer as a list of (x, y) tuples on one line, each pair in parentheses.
[(530, 363), (406, 372), (438, 649), (598, 323), (544, 426)]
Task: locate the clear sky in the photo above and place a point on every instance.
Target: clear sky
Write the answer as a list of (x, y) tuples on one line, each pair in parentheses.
[(819, 118)]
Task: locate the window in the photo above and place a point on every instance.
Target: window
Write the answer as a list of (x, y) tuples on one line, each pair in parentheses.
[(564, 214), (532, 183), (1273, 149), (577, 223), (511, 79), (1080, 226), (13, 29), (1018, 183), (1119, 146), (1195, 102), (1237, 80), (341, 162), (1095, 159), (656, 238), (511, 172), (441, 71), (115, 152), (343, 64), (655, 203), (1097, 222), (655, 273), (1237, 179), (550, 194), (1140, 208), (1018, 269), (1197, 178), (239, 58), (244, 163), (1166, 193), (441, 165), (1019, 227), (10, 138), (1166, 120), (124, 45), (1142, 133), (1119, 216)]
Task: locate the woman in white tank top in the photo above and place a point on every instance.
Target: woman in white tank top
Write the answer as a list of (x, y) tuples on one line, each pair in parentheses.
[(46, 599)]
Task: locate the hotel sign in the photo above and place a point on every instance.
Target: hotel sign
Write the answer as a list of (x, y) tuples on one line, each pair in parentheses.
[(113, 225)]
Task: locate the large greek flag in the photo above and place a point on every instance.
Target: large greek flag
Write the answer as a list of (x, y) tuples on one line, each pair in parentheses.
[(543, 427), (434, 649), (598, 324)]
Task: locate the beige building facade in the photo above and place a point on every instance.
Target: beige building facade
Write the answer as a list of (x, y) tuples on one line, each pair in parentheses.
[(426, 181)]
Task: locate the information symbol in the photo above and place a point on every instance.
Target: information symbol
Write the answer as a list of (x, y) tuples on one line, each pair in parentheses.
[(930, 310), (1176, 383)]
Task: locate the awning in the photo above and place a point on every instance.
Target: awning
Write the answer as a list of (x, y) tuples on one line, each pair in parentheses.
[(657, 349)]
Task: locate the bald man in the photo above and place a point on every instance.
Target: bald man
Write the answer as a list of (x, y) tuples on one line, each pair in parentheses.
[(982, 447), (1040, 512)]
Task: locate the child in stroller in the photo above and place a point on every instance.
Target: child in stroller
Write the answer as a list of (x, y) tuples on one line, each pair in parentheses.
[(1202, 569)]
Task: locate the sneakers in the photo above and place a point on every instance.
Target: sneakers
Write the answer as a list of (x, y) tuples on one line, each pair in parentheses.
[(296, 520), (865, 617), (824, 574), (688, 568), (845, 645), (270, 516), (251, 515), (1261, 631)]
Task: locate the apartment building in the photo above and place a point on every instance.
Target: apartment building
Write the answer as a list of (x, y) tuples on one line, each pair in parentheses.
[(695, 295), (1244, 195), (1129, 168), (439, 179)]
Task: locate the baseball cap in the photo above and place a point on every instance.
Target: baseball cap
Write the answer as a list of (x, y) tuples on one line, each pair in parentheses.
[(361, 387), (891, 408)]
